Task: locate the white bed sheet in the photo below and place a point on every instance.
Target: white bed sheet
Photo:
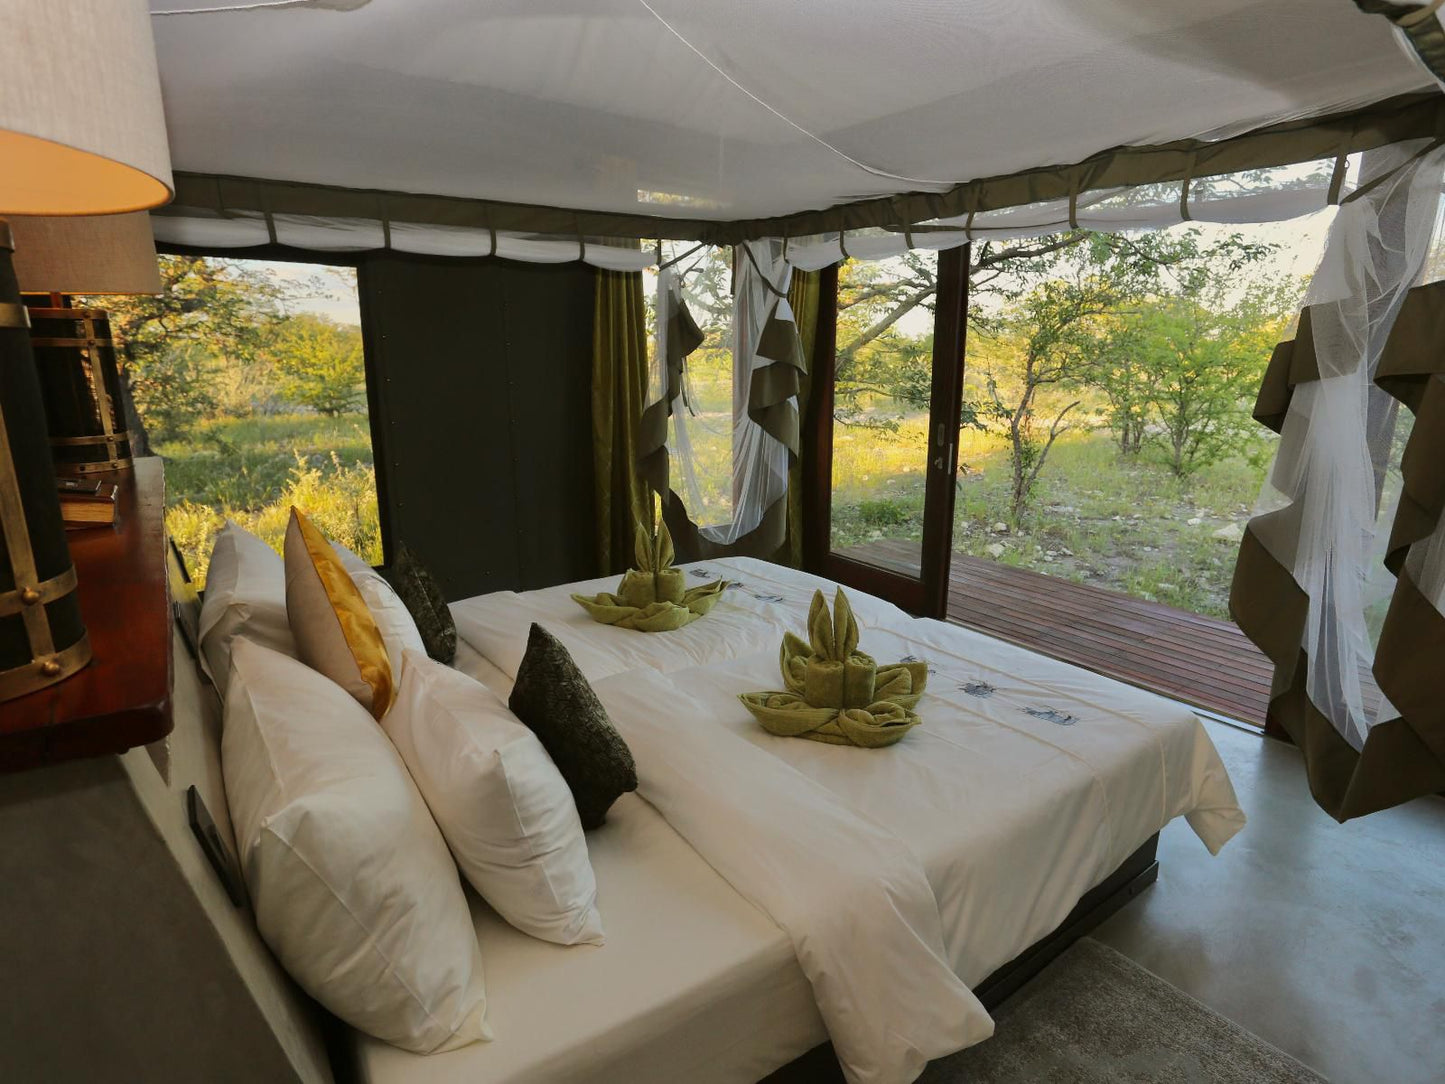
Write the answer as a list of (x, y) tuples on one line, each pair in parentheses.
[(477, 666), (766, 601), (693, 984)]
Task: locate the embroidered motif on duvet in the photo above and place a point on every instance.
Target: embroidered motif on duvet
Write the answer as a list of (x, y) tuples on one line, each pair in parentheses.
[(1052, 715), (734, 585), (983, 690)]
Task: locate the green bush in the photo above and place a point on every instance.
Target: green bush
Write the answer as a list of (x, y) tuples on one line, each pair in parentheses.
[(884, 514), (253, 470)]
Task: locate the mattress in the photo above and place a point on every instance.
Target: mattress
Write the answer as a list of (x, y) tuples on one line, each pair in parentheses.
[(693, 983)]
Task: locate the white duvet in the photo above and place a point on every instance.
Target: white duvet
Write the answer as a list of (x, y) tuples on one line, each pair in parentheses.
[(762, 601), (855, 901), (902, 875)]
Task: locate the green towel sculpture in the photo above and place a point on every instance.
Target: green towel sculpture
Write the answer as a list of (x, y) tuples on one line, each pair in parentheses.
[(653, 597), (836, 693)]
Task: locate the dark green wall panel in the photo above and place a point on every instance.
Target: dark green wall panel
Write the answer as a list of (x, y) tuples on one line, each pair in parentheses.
[(479, 376)]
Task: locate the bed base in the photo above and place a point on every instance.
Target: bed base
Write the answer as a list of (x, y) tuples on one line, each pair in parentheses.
[(1138, 872)]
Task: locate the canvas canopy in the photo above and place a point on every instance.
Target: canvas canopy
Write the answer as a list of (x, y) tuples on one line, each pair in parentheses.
[(525, 128)]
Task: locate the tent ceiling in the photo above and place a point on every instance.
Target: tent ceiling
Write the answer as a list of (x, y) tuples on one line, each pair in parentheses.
[(740, 110)]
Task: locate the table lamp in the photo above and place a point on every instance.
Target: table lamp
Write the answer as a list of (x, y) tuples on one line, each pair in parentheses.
[(80, 379), (82, 132)]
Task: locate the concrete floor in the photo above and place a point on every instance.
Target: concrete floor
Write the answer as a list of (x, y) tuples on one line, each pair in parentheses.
[(1326, 940)]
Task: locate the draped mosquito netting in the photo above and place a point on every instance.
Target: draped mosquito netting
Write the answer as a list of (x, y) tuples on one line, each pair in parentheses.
[(1341, 578)]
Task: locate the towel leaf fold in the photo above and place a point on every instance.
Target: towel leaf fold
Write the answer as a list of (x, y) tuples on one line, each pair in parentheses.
[(654, 596), (835, 693), (790, 716)]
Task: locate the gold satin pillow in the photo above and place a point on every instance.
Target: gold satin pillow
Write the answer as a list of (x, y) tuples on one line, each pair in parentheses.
[(334, 631)]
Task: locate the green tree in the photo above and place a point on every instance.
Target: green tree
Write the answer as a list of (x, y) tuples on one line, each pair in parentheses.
[(1206, 359), (1049, 330), (1057, 308), (876, 360), (1115, 365), (171, 390), (209, 312), (318, 363)]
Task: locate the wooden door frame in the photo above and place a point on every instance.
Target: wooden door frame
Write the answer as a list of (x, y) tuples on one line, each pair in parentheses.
[(926, 595)]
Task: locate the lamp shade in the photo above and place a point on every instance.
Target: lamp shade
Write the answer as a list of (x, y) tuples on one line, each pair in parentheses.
[(89, 254), (82, 130)]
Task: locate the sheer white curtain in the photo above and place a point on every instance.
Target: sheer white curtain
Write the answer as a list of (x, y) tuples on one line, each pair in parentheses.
[(760, 460), (1334, 487), (756, 472), (681, 452)]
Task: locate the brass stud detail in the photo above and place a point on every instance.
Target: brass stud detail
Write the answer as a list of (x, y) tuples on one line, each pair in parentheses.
[(29, 596), (50, 667)]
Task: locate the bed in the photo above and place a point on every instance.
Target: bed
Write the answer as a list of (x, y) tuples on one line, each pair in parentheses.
[(1031, 786)]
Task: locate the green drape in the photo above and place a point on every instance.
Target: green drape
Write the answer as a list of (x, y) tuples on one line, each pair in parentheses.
[(803, 297), (1419, 25), (772, 394), (619, 387), (1403, 756)]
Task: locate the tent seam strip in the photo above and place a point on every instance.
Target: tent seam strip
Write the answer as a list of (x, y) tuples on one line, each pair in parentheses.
[(1396, 119)]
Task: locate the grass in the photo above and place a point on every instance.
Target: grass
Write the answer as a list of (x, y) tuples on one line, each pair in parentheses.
[(252, 470), (1125, 523)]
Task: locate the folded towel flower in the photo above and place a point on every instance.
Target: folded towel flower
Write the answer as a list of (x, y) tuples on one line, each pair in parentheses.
[(790, 716), (653, 597), (836, 693)]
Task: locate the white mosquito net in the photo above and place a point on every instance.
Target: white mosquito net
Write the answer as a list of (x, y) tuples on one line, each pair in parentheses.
[(701, 110), (1336, 474), (729, 469)]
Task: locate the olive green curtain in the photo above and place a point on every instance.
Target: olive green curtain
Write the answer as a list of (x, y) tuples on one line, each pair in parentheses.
[(770, 403), (1404, 755), (1362, 694), (1419, 26), (803, 297), (619, 387)]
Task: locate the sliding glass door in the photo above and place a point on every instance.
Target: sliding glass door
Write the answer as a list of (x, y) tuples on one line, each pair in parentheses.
[(884, 426)]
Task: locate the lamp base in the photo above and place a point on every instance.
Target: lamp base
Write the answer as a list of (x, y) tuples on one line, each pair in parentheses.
[(45, 671), (42, 637), (80, 384)]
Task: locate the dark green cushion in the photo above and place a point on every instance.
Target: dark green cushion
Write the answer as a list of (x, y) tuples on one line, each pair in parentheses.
[(425, 602), (553, 698)]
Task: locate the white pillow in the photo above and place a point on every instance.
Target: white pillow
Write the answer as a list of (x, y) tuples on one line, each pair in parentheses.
[(501, 803), (245, 596), (349, 878), (398, 628)]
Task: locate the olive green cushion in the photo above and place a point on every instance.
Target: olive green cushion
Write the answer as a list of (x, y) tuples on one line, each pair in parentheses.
[(423, 599), (553, 698)]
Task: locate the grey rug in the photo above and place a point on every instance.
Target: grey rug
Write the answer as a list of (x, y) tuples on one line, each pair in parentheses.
[(1096, 1017)]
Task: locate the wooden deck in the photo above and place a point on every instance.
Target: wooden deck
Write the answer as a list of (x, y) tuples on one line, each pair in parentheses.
[(1200, 660)]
